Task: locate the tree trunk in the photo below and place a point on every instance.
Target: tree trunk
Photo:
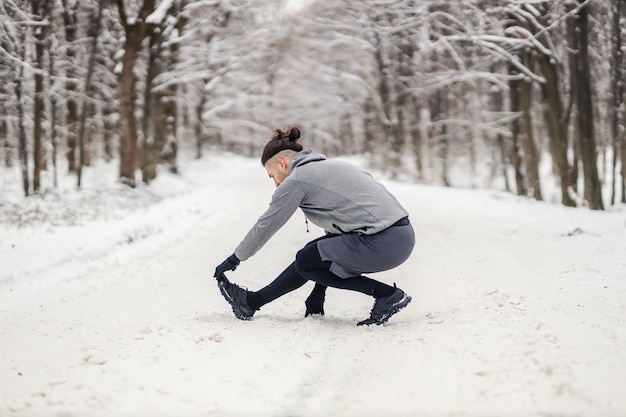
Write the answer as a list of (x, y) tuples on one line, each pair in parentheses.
[(617, 89), (153, 126), (199, 131), (5, 143), (417, 139), (18, 78), (516, 132), (160, 112), (623, 161), (136, 30), (503, 161), (88, 93), (53, 110), (22, 133), (369, 120), (498, 104), (385, 118), (397, 141), (584, 104), (556, 125), (444, 156), (471, 132), (41, 13), (71, 83), (108, 127), (170, 152), (389, 112), (531, 155), (128, 140), (438, 103)]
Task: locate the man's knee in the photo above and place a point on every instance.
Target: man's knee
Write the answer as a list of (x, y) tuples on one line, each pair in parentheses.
[(302, 259), (308, 258)]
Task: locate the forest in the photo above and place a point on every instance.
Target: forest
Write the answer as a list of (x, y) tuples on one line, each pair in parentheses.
[(519, 95)]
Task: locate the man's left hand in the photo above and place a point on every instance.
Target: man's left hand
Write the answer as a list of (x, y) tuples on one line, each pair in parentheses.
[(230, 264)]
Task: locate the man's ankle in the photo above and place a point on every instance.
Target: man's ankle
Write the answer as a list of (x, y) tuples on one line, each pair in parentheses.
[(382, 290), (255, 300)]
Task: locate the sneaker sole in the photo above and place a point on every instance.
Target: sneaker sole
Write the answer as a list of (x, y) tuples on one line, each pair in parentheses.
[(236, 310)]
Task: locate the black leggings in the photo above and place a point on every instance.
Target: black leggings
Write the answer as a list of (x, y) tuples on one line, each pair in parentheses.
[(309, 266)]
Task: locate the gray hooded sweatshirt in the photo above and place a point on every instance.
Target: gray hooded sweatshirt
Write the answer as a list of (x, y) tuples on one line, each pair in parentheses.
[(334, 195)]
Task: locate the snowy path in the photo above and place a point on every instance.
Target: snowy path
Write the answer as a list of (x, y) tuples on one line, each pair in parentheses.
[(519, 309)]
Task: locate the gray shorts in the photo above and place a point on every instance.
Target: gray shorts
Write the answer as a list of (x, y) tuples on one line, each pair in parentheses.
[(353, 254)]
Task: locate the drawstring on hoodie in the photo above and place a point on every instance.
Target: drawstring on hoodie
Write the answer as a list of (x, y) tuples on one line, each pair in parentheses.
[(306, 221)]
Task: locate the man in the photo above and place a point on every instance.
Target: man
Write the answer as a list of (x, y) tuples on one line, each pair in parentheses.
[(367, 230)]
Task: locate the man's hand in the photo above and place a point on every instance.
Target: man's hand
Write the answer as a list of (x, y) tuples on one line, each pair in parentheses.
[(230, 264), (315, 302)]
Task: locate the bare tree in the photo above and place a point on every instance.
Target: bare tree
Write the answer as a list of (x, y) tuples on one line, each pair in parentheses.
[(533, 29), (53, 97), (42, 12), (531, 153), (617, 91), (136, 29), (14, 22), (160, 119), (88, 92), (517, 125), (5, 91), (71, 84), (581, 93)]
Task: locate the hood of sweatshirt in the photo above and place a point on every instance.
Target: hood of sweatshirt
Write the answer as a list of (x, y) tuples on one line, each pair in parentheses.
[(304, 157)]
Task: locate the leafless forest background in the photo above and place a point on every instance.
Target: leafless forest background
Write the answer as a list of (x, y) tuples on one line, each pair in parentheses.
[(426, 89)]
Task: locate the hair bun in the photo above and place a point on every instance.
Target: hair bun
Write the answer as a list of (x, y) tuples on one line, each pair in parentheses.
[(294, 134), (281, 140)]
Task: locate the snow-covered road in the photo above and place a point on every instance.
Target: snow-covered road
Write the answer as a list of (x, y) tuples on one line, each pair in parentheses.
[(519, 309)]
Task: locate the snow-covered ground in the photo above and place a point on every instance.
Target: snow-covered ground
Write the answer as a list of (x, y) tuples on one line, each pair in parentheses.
[(108, 307)]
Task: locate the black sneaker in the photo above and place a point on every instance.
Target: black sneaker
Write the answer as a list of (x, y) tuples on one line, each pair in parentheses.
[(237, 297), (386, 307)]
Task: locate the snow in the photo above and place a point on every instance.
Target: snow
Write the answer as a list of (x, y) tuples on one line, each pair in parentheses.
[(108, 306), (160, 13)]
